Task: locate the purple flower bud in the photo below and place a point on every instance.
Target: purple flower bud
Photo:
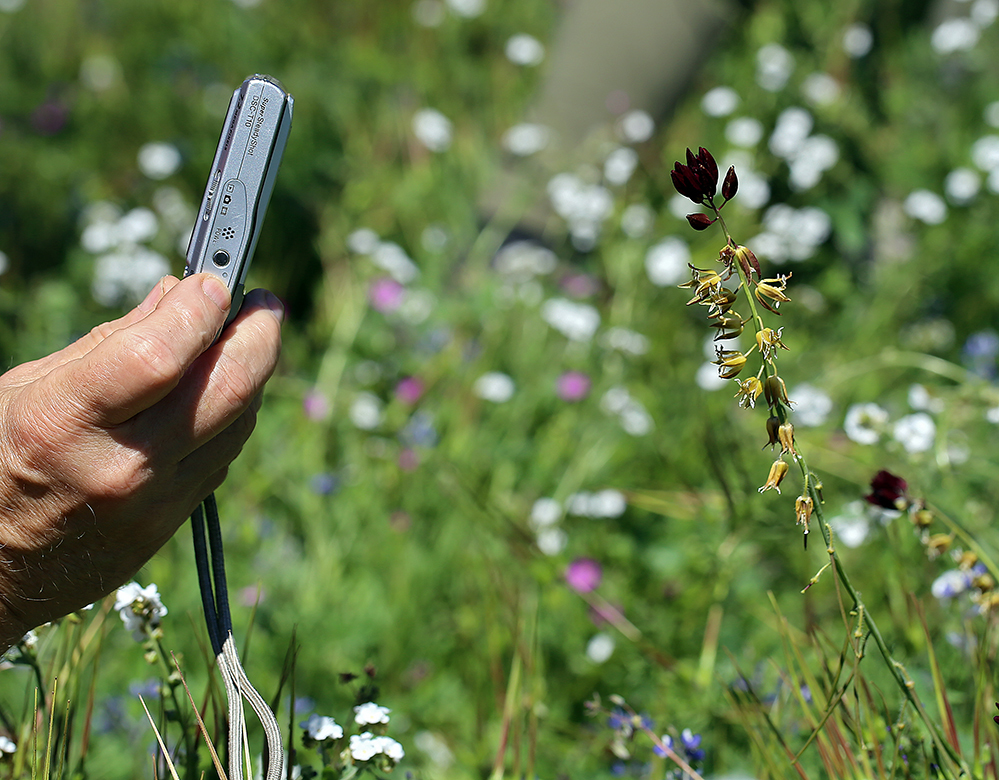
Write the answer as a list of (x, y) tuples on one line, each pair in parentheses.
[(731, 184)]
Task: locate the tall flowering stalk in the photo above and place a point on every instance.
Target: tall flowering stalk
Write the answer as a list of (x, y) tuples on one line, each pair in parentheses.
[(698, 181)]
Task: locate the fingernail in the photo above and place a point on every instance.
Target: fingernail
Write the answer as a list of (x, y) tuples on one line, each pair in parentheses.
[(149, 302), (273, 303), (218, 292)]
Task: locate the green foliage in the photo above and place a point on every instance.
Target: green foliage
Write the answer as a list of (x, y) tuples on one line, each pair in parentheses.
[(425, 530)]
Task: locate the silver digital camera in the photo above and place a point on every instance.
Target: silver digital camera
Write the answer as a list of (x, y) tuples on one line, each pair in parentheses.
[(240, 183)]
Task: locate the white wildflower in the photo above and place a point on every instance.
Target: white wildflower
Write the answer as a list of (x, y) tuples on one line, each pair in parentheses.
[(744, 131), (864, 423), (811, 405), (551, 541), (858, 40), (956, 34), (915, 432), (494, 386), (620, 164), (159, 160), (125, 276), (432, 129), (320, 728), (545, 512), (637, 220), (521, 261), (852, 525), (369, 713), (600, 648), (526, 138), (366, 411), (950, 584), (926, 206), (720, 101), (625, 340), (524, 49), (575, 321), (363, 241), (467, 8), (635, 127), (666, 263), (364, 747), (141, 609), (985, 153), (392, 259), (774, 65), (962, 185), (820, 89), (7, 745)]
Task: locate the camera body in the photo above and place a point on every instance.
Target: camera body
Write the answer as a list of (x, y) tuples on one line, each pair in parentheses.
[(240, 183)]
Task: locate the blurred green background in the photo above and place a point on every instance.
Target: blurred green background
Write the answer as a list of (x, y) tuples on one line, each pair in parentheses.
[(386, 511)]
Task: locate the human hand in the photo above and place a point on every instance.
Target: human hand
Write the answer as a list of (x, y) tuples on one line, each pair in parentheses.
[(108, 445)]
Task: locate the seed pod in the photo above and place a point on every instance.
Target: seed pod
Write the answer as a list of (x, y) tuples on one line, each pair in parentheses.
[(731, 184)]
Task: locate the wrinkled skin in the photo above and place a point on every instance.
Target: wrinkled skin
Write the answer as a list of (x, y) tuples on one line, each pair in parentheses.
[(108, 445)]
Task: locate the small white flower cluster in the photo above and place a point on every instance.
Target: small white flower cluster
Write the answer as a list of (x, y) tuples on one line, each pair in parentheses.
[(636, 127), (666, 262), (159, 160), (140, 609), (774, 66), (808, 156), (386, 255), (526, 138), (522, 261), (582, 205), (866, 423), (625, 340), (125, 269), (494, 386), (524, 49), (366, 411), (546, 514), (370, 714), (633, 416), (720, 101), (576, 321), (367, 746), (7, 746), (432, 129), (321, 728), (791, 234)]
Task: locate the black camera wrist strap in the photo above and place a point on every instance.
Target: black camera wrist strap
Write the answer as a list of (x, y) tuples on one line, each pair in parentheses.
[(210, 561)]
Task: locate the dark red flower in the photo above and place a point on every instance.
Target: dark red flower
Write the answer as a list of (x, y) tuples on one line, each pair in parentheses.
[(698, 179), (731, 184), (700, 221), (887, 491)]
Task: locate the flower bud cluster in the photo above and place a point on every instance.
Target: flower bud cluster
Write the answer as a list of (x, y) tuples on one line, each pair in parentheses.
[(697, 179)]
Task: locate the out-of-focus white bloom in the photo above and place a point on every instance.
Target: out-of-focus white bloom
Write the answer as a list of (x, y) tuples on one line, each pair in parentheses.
[(991, 114), (366, 411), (138, 225), (602, 504), (583, 206), (9, 6), (526, 139), (551, 541), (575, 321), (99, 72), (124, 277), (4, 263), (817, 154), (666, 263), (754, 189), (429, 13), (435, 748), (159, 160), (820, 89), (707, 378), (174, 208), (791, 234), (320, 727), (864, 423), (524, 49), (852, 525), (744, 131), (494, 386), (392, 259), (956, 34), (467, 8), (636, 127), (920, 399), (984, 12), (962, 185), (432, 129), (858, 40), (637, 220), (363, 241), (620, 164), (790, 131), (926, 206), (950, 584), (545, 512), (7, 745), (985, 153), (625, 340), (811, 405), (140, 609), (774, 65), (520, 261), (600, 648), (631, 413), (434, 238), (416, 306), (720, 101), (915, 432), (369, 713), (364, 747)]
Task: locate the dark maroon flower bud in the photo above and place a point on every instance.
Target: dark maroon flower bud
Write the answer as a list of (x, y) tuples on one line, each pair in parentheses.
[(887, 491), (708, 163), (731, 184), (700, 221), (685, 184)]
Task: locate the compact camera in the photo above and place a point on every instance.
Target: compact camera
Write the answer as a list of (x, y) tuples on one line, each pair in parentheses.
[(240, 183)]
